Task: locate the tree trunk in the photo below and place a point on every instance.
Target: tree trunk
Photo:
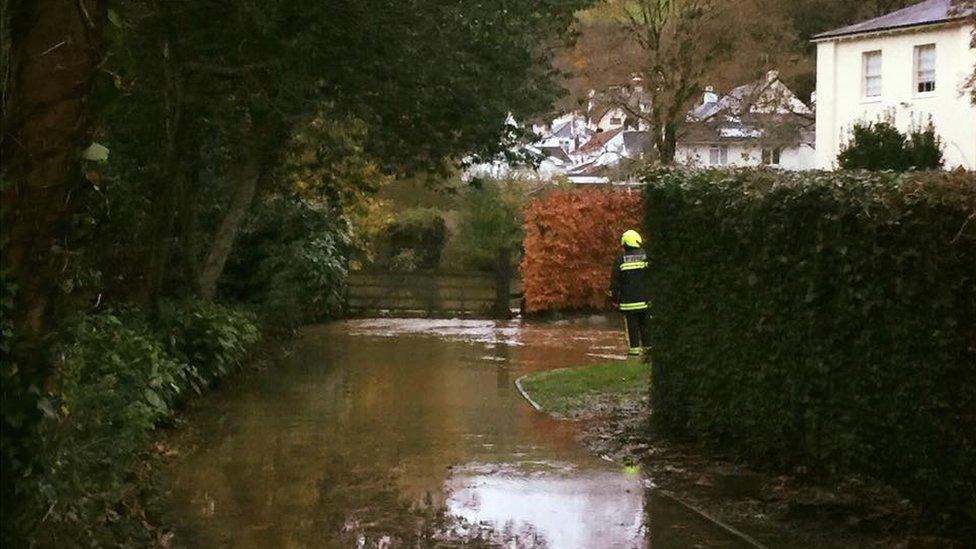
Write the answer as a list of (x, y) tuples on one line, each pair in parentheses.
[(49, 71), (55, 49), (503, 284), (230, 225), (189, 215), (164, 219), (669, 143)]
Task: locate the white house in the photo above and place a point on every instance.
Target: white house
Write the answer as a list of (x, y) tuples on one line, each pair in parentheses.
[(606, 150), (567, 132), (613, 118), (760, 123), (908, 66), (618, 107)]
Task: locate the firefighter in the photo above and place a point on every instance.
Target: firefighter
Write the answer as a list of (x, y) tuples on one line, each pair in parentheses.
[(629, 289)]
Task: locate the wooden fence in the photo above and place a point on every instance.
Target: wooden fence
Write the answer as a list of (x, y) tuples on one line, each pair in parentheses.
[(466, 294)]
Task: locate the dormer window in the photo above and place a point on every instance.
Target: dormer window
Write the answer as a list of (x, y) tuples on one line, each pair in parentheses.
[(925, 68), (872, 73)]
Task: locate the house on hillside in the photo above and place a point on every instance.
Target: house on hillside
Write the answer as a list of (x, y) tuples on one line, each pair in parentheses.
[(618, 107), (760, 123), (908, 66), (567, 132), (592, 161)]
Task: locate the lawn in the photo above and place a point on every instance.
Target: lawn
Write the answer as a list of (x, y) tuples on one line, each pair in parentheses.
[(571, 391)]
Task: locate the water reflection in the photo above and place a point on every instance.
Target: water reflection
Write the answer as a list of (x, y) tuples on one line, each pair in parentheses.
[(408, 433), (553, 508)]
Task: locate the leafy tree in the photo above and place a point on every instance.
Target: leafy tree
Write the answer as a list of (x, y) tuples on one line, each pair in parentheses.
[(967, 9), (199, 108), (672, 49), (490, 221), (436, 84)]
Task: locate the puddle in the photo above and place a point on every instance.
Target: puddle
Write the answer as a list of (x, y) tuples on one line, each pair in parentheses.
[(409, 433)]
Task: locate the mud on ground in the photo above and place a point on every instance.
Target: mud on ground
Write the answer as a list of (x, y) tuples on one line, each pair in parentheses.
[(777, 510)]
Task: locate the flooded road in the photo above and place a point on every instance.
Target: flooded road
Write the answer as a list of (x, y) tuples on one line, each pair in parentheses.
[(390, 433)]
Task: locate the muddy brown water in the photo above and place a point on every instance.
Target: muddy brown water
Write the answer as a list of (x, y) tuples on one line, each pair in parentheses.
[(391, 433)]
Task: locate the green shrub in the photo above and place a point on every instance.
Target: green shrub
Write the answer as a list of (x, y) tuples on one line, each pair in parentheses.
[(404, 262), (924, 148), (117, 376), (822, 319), (290, 262), (490, 221), (114, 381), (878, 146), (210, 339), (421, 230)]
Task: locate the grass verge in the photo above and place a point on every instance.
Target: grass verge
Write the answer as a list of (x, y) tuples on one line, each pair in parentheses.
[(574, 391)]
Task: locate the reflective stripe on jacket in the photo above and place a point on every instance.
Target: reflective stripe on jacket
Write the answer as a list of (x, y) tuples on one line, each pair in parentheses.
[(628, 281)]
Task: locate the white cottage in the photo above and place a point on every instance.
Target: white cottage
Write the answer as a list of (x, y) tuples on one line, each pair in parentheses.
[(760, 123), (908, 66)]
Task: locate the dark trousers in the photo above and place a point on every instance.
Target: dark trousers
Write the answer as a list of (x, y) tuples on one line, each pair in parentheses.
[(636, 323)]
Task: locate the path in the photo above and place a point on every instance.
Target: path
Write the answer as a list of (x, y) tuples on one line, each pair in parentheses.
[(412, 432)]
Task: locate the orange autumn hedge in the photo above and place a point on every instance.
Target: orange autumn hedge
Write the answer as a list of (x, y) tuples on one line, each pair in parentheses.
[(571, 240)]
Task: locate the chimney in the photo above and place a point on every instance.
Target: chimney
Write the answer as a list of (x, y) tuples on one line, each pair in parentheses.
[(709, 96), (813, 99), (637, 83), (772, 75)]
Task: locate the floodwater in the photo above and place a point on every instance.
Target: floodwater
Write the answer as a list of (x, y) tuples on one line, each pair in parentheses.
[(410, 433)]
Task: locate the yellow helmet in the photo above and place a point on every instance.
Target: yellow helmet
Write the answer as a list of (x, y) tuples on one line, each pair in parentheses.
[(631, 239)]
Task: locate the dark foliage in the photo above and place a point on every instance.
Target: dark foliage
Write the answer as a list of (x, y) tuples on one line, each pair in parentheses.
[(876, 146), (119, 375), (820, 319), (289, 262), (924, 148), (419, 233)]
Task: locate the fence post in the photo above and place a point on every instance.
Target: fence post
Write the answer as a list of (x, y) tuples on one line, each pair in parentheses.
[(503, 283)]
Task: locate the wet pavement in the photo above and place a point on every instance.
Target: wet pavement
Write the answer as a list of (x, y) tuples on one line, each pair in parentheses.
[(390, 433)]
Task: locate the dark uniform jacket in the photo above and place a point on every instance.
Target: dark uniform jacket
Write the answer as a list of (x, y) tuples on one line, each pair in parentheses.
[(629, 282)]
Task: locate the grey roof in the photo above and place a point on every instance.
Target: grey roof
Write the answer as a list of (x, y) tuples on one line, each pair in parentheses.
[(636, 142), (599, 140), (929, 12), (784, 129), (555, 152), (707, 110), (563, 130)]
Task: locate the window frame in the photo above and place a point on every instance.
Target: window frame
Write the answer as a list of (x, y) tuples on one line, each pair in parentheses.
[(722, 154), (772, 156), (865, 57), (916, 69)]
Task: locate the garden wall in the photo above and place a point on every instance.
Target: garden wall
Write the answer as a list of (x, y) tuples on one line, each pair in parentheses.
[(820, 319), (571, 239)]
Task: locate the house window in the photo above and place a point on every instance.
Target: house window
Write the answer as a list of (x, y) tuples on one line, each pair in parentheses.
[(872, 74), (771, 156), (616, 121), (925, 68), (718, 155)]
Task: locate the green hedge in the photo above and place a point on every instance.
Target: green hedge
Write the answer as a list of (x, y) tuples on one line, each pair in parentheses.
[(820, 319)]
